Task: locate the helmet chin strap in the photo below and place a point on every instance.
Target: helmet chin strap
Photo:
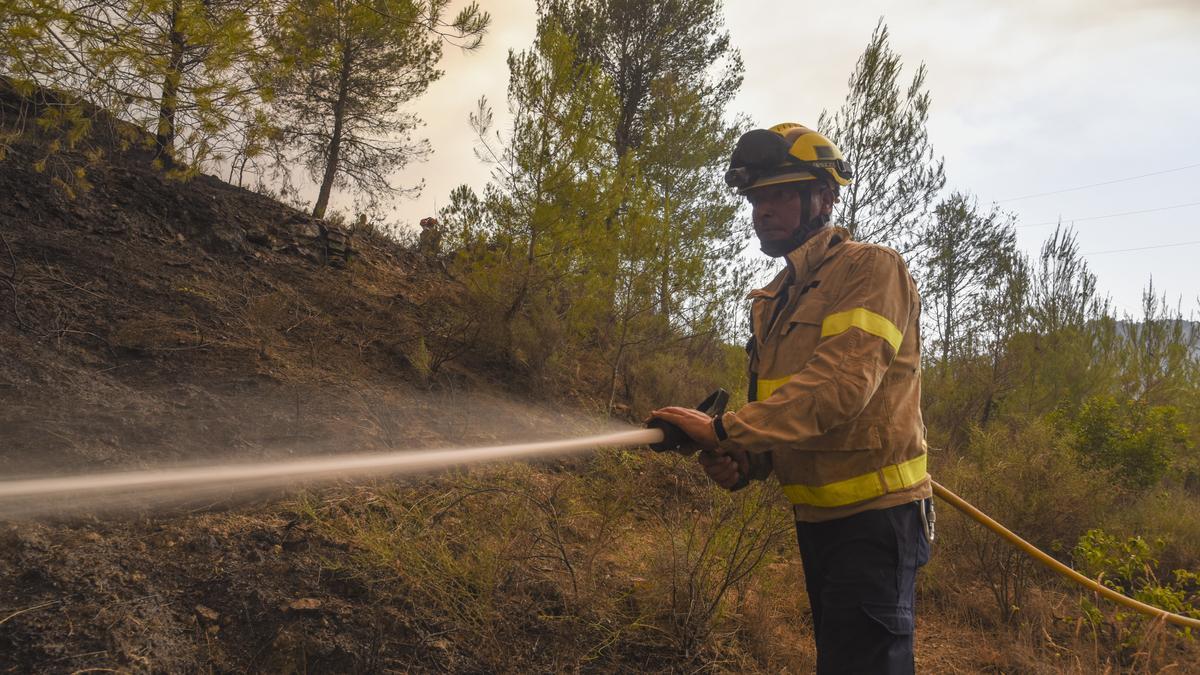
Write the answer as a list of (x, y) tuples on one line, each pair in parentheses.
[(813, 223)]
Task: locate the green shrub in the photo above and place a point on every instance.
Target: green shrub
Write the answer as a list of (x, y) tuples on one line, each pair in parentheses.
[(1138, 441), (1130, 566)]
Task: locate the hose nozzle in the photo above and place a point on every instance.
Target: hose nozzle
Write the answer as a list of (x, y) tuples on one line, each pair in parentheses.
[(674, 439)]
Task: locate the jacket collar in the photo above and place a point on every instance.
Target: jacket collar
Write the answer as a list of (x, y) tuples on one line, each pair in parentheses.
[(803, 261)]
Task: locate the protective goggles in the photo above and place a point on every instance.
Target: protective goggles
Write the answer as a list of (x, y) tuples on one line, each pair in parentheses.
[(761, 154)]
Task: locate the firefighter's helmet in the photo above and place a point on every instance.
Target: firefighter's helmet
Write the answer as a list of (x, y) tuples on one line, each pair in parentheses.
[(785, 153)]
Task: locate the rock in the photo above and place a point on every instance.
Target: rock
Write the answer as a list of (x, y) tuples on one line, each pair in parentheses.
[(317, 240), (337, 246), (266, 537), (294, 544), (302, 605), (258, 238), (208, 614), (309, 229)]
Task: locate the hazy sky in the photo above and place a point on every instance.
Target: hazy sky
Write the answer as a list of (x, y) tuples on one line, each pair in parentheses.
[(1028, 97)]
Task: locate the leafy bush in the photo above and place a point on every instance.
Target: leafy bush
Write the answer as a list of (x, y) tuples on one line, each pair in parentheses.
[(1137, 440), (1130, 566)]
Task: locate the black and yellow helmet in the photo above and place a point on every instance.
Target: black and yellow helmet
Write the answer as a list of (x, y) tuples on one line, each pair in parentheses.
[(785, 153)]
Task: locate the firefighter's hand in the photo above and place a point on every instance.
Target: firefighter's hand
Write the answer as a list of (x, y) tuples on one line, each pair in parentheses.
[(697, 425), (727, 468)]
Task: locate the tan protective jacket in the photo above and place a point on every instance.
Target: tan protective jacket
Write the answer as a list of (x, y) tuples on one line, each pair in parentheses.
[(835, 381)]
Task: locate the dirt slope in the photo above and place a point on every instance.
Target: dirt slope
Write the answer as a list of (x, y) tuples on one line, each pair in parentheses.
[(149, 321)]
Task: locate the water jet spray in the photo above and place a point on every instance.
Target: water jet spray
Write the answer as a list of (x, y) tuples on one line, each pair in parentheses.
[(37, 495), (29, 496), (24, 496)]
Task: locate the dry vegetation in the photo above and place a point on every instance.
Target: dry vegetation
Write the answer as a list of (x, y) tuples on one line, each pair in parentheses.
[(148, 321)]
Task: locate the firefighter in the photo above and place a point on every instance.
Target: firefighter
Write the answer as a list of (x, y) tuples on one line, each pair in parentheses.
[(430, 241), (834, 412)]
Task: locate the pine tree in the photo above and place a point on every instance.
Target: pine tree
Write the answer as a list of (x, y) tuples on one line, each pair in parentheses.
[(1159, 364), (29, 50), (641, 45), (882, 132), (610, 233), (974, 286), (537, 233), (967, 253), (38, 94), (175, 67), (1064, 294), (674, 73), (345, 68), (1003, 319), (178, 68), (1069, 352)]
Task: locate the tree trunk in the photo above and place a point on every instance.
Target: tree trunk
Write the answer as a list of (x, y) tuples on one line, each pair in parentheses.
[(612, 378), (947, 331), (335, 137), (666, 306), (165, 138), (519, 299), (986, 414)]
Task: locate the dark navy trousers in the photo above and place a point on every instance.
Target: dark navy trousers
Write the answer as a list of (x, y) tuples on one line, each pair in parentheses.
[(861, 573)]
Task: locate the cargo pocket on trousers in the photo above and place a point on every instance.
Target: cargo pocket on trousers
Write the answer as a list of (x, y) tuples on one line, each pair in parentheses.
[(894, 619)]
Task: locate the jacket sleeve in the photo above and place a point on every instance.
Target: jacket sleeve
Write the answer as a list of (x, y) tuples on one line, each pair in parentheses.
[(861, 333)]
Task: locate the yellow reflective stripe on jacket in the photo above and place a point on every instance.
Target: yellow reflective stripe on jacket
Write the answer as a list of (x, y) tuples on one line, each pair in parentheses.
[(860, 488), (865, 319), (768, 387), (836, 324)]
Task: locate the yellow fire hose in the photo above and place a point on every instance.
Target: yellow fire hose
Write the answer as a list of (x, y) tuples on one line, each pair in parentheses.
[(673, 439), (983, 519)]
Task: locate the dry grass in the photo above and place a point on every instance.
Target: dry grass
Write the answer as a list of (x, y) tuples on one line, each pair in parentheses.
[(632, 562), (1032, 621), (581, 559)]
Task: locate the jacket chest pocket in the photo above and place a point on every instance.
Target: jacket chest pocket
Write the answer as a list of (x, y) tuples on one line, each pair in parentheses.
[(794, 337), (803, 322)]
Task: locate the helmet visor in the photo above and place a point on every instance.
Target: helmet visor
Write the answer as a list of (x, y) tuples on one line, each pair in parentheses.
[(761, 158), (744, 179)]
